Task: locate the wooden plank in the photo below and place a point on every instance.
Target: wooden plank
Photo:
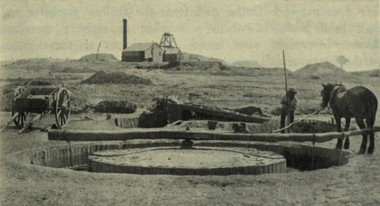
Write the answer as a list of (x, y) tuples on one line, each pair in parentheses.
[(225, 114), (159, 133)]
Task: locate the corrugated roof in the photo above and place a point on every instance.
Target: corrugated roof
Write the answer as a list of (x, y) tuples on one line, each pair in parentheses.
[(138, 47), (172, 51)]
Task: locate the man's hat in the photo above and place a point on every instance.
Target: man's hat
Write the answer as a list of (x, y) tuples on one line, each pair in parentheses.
[(291, 90)]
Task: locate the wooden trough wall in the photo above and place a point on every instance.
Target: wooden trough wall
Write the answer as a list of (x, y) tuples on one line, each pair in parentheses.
[(300, 157)]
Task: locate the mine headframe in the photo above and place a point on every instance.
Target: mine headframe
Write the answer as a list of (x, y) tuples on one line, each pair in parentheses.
[(168, 41)]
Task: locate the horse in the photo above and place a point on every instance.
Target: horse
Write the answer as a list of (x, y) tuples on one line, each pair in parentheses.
[(359, 103)]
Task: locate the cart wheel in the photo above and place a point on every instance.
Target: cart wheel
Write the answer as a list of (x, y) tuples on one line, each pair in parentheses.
[(20, 120), (62, 108)]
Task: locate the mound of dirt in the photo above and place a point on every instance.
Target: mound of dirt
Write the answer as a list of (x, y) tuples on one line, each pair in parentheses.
[(115, 107), (320, 69), (197, 57), (300, 111), (249, 110), (313, 127), (156, 114), (98, 58), (209, 66), (214, 69), (102, 77)]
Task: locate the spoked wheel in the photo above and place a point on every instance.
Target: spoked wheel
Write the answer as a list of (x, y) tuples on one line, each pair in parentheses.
[(62, 108), (21, 119)]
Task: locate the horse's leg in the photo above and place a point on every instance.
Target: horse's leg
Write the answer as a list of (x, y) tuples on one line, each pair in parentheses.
[(339, 129), (363, 146), (346, 128), (370, 123), (371, 147)]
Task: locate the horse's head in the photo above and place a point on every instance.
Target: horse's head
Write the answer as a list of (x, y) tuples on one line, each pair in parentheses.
[(325, 93)]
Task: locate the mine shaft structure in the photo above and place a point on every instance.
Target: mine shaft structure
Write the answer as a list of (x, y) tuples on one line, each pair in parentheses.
[(167, 41)]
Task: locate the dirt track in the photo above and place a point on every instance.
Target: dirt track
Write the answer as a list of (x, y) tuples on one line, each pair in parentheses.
[(356, 183)]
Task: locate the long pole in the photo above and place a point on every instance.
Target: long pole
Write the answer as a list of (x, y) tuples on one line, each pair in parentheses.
[(286, 85), (286, 81), (96, 57)]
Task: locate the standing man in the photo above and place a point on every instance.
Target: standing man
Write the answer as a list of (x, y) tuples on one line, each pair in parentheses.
[(289, 105)]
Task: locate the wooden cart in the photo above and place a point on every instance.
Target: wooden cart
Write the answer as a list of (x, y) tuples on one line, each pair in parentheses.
[(41, 100)]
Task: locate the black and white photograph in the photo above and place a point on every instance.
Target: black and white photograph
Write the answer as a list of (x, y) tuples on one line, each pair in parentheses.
[(189, 102)]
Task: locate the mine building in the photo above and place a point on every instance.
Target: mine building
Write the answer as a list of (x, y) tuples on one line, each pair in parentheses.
[(172, 55), (166, 50), (171, 51), (141, 52)]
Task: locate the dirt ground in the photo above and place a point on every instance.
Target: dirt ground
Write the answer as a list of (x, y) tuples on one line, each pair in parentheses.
[(356, 183)]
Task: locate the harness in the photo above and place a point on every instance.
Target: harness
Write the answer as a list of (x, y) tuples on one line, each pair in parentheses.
[(333, 92)]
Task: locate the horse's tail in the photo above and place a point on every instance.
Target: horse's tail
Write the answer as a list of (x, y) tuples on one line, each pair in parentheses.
[(371, 107)]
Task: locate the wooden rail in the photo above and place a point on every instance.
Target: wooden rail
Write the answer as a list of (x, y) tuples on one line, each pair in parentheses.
[(160, 133)]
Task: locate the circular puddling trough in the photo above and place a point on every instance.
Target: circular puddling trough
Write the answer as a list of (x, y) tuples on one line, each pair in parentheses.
[(196, 161)]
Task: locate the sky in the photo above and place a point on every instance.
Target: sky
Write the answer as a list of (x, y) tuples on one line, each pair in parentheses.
[(232, 30)]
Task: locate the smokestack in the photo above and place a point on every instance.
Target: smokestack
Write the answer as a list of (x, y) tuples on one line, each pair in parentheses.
[(124, 34)]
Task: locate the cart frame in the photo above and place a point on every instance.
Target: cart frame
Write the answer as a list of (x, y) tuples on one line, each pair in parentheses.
[(41, 100)]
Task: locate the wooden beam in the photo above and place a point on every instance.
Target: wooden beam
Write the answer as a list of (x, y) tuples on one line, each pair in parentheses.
[(26, 126), (10, 121), (160, 133), (225, 114)]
